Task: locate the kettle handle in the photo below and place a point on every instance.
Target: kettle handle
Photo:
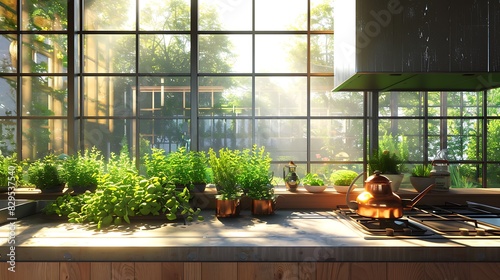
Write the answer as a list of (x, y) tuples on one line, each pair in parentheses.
[(351, 204)]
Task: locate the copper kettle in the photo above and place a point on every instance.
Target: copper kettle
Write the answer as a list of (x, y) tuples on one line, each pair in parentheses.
[(378, 201)]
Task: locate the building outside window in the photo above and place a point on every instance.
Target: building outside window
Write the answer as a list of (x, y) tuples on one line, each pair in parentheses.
[(217, 73)]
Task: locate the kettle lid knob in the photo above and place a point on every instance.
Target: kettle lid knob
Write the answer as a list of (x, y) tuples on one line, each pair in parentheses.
[(377, 178)]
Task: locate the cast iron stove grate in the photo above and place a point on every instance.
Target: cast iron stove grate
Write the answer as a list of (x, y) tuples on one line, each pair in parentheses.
[(456, 220), (382, 227)]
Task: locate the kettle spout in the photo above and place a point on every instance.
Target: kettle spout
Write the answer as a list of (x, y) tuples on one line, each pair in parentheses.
[(409, 204)]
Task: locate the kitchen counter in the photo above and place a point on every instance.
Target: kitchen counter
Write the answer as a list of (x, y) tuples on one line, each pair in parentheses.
[(287, 236)]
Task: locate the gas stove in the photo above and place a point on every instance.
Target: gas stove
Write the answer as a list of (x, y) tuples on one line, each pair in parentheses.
[(471, 220)]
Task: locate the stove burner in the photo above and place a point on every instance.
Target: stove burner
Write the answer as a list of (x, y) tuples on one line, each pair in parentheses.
[(383, 227), (450, 220)]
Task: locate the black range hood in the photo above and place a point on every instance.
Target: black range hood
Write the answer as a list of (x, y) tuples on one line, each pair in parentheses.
[(414, 45)]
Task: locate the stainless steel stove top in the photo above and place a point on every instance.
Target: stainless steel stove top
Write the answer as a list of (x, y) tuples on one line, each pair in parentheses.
[(449, 220)]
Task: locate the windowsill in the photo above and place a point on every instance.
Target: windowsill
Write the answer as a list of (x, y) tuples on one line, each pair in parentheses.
[(329, 199)]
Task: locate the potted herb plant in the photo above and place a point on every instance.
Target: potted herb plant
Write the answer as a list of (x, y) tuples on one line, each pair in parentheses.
[(45, 174), (226, 166), (82, 170), (388, 164), (313, 183), (198, 170), (182, 168), (421, 177), (178, 168), (256, 180), (342, 179)]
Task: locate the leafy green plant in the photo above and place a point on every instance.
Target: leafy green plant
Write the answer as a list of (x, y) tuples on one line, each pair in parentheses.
[(343, 177), (198, 163), (391, 155), (254, 177), (83, 170), (117, 203), (179, 168), (10, 170), (182, 168), (120, 169), (313, 179), (385, 161), (226, 167), (45, 173), (421, 170)]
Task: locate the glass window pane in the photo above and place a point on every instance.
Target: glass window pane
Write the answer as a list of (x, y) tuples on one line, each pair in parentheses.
[(44, 96), (108, 96), (324, 102), (493, 108), (281, 96), (164, 97), (165, 15), (8, 54), (8, 100), (108, 135), (225, 96), (225, 53), (280, 53), (45, 15), (42, 137), (164, 53), (43, 53), (322, 15), (219, 133), (8, 138), (285, 139), (434, 103), (8, 14), (109, 54), (109, 15), (272, 15), (464, 175), (322, 53), (401, 104), (225, 15), (407, 131), (464, 139), (493, 150), (167, 134), (336, 140), (464, 103)]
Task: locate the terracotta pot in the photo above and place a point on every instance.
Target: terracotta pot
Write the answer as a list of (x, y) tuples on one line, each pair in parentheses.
[(263, 206), (227, 208)]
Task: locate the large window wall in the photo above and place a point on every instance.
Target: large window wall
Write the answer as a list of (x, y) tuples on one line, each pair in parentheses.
[(211, 74)]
